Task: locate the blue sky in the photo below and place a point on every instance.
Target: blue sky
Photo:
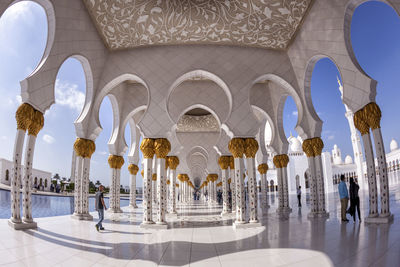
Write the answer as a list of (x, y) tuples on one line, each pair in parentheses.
[(23, 31)]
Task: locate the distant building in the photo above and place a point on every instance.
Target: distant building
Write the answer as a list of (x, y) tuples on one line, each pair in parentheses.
[(41, 180)]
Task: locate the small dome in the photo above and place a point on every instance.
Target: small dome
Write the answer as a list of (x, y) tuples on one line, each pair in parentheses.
[(295, 145), (348, 160), (393, 145)]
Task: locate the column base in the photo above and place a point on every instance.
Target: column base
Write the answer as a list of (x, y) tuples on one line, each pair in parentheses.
[(172, 214), (313, 215), (116, 210), (379, 219), (226, 214), (22, 225), (155, 226), (245, 225), (133, 207), (82, 217), (284, 210)]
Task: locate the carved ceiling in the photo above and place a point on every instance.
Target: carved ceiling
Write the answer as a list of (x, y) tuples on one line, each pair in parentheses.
[(206, 123), (127, 24)]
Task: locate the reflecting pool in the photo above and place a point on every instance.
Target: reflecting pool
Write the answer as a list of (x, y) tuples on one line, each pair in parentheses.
[(46, 206)]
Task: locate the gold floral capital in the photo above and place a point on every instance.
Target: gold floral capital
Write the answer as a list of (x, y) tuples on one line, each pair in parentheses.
[(224, 162), (162, 147), (281, 161), (308, 148), (84, 147), (147, 148), (133, 169), (251, 147), (231, 162), (24, 116), (115, 161), (317, 145), (360, 122), (154, 177), (237, 146), (263, 168), (372, 115), (36, 124), (173, 162)]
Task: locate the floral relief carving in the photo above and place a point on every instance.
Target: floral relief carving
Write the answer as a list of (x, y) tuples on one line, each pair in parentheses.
[(260, 23), (207, 123)]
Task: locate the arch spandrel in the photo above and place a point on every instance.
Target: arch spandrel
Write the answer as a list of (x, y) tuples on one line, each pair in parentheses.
[(332, 40), (62, 42), (127, 99)]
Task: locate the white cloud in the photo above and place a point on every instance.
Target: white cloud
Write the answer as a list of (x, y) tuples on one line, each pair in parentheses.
[(103, 153), (331, 137), (67, 94), (295, 113), (18, 98), (48, 139), (3, 137)]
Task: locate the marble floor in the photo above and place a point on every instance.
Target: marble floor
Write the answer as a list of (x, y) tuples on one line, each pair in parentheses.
[(199, 237)]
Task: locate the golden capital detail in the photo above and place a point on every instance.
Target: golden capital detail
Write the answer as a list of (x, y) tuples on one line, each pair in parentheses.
[(24, 116), (360, 122), (263, 168), (84, 147), (154, 177), (237, 146), (29, 119), (162, 147), (231, 162), (372, 115), (313, 146), (173, 162), (224, 162), (36, 124), (147, 148), (281, 161), (251, 147), (133, 169), (115, 161)]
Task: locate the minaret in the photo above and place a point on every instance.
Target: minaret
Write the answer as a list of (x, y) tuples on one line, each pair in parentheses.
[(355, 140)]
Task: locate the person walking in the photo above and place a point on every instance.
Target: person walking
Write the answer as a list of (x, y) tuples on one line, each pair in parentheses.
[(299, 195), (354, 200), (344, 198), (100, 207)]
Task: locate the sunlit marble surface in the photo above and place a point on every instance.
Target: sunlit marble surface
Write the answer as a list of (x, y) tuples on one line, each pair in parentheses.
[(199, 237)]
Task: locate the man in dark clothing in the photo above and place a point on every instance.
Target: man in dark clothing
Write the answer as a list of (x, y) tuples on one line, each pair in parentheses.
[(100, 207), (299, 195), (354, 200)]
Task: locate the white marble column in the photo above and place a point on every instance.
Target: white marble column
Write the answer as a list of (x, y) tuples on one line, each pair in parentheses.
[(133, 169), (251, 147), (23, 115), (224, 165), (372, 187), (161, 196), (237, 148), (147, 148), (115, 162), (285, 189), (233, 182), (84, 148), (281, 161), (372, 116), (33, 130), (313, 149), (320, 185), (173, 162), (262, 169), (383, 175)]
